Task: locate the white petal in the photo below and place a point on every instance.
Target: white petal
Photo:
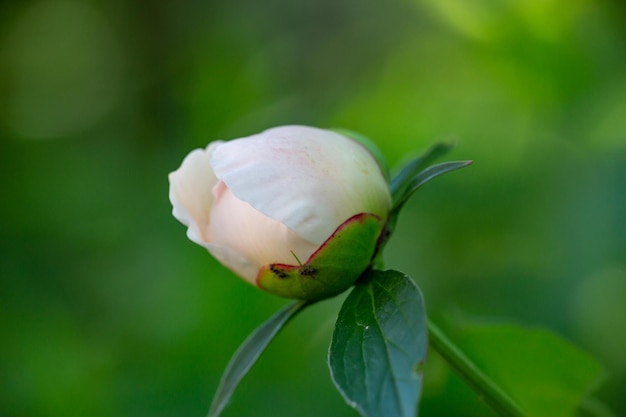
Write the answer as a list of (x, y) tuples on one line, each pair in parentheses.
[(257, 239), (191, 195), (310, 179)]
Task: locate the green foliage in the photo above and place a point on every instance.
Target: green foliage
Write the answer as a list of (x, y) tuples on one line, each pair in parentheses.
[(249, 352), (107, 311), (544, 374), (402, 180), (484, 387), (412, 176), (405, 189), (378, 346)]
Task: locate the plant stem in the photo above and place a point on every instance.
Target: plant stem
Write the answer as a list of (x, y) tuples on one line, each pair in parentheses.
[(474, 377)]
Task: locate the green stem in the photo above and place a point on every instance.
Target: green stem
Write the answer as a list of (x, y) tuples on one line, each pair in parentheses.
[(474, 377)]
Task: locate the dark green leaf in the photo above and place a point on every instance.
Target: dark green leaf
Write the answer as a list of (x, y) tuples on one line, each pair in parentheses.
[(410, 185), (425, 176), (544, 374), (402, 180), (378, 345), (249, 352), (415, 174)]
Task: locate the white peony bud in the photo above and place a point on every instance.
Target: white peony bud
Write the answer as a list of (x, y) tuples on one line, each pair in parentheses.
[(294, 210)]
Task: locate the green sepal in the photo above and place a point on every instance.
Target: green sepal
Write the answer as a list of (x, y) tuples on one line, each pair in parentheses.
[(333, 268)]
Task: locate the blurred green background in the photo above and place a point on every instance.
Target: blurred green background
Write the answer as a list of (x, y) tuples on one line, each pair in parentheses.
[(108, 310)]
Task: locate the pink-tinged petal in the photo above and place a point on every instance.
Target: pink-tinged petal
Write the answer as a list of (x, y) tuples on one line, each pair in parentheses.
[(309, 179), (235, 262), (190, 193), (256, 238)]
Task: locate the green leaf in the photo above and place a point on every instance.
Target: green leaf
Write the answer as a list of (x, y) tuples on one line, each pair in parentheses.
[(401, 181), (379, 344), (415, 174), (425, 176), (249, 352), (405, 185), (543, 373)]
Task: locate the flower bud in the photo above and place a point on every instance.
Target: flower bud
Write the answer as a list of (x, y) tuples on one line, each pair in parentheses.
[(294, 210)]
